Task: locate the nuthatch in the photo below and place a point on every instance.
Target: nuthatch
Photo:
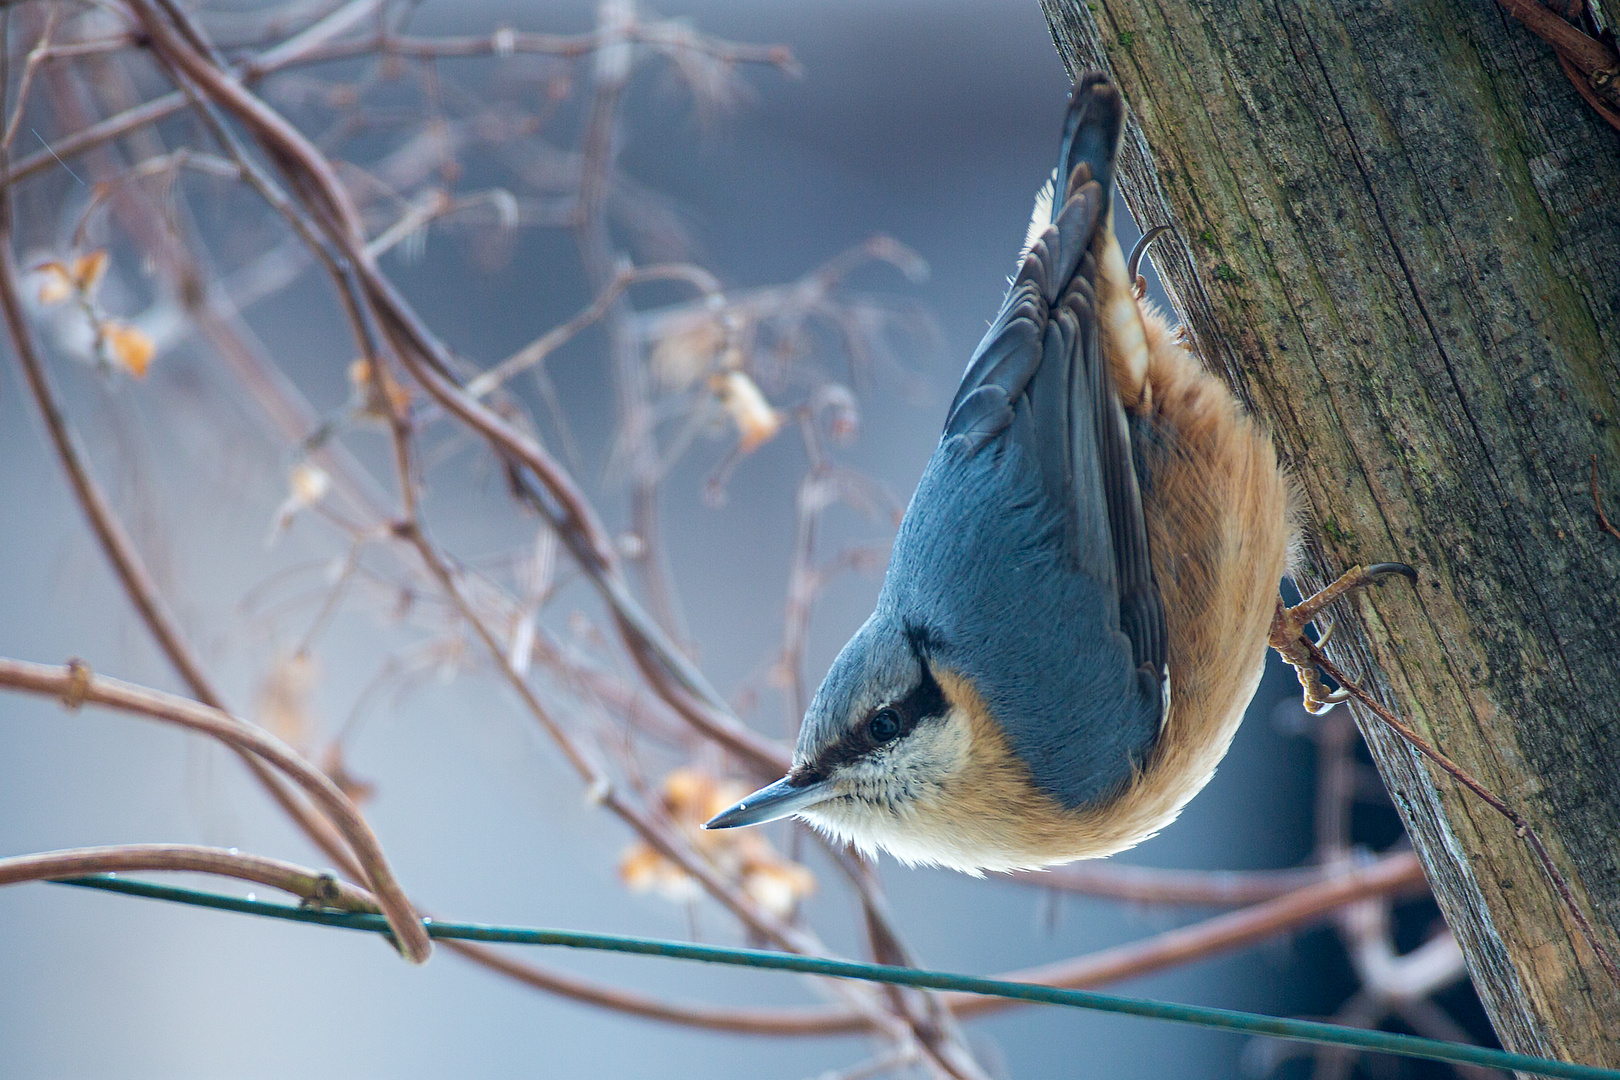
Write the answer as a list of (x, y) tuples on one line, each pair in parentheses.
[(1079, 599)]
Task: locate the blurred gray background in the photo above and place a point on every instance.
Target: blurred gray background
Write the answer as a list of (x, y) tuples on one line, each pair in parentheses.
[(932, 122)]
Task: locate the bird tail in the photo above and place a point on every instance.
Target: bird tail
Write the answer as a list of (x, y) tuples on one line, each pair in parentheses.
[(1090, 137)]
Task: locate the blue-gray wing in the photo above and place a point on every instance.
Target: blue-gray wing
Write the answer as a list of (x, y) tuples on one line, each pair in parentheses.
[(1039, 379)]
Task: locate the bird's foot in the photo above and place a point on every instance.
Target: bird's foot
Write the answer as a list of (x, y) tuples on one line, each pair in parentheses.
[(1288, 630), (1132, 264)]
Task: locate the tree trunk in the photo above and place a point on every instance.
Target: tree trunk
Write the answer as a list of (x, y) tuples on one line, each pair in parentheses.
[(1400, 243)]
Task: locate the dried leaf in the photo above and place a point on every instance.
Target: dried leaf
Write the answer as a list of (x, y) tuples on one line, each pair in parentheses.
[(644, 870), (520, 652), (397, 398), (283, 698), (130, 346), (835, 404), (307, 484), (686, 351), (337, 770), (778, 886), (688, 794), (691, 797), (88, 270), (56, 284), (757, 423)]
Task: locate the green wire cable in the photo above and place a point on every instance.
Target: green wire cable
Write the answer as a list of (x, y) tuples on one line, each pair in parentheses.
[(1202, 1016)]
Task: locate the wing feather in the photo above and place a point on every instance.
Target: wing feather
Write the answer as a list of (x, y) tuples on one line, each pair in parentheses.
[(1039, 378)]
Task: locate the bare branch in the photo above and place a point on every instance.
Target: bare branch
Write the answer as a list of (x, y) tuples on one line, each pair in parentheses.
[(120, 550), (1151, 885), (1521, 828), (1390, 874), (315, 887), (536, 351), (75, 685)]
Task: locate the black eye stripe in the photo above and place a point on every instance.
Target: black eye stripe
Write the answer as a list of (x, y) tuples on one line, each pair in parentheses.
[(925, 701)]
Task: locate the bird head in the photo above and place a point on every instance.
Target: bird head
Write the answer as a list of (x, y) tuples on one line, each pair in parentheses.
[(880, 746)]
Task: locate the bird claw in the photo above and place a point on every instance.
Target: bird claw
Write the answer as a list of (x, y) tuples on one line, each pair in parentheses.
[(1288, 630), (1134, 260), (1321, 706)]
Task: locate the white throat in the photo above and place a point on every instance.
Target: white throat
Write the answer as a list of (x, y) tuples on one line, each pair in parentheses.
[(891, 801)]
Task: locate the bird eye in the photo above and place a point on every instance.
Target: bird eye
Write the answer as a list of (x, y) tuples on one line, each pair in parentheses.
[(884, 726)]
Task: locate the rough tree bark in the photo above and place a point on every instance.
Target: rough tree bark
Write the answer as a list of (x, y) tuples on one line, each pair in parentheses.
[(1400, 234)]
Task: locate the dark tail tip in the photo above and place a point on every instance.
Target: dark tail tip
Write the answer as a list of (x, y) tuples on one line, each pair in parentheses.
[(1091, 133)]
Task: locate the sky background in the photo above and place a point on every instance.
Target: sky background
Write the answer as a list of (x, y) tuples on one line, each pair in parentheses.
[(932, 122)]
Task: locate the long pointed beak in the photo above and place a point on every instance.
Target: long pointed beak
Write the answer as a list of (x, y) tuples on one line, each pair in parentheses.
[(778, 800)]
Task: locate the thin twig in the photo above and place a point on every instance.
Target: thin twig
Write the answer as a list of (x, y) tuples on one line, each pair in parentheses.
[(120, 550), (75, 685), (750, 1020), (300, 49), (610, 75), (431, 365), (1192, 888), (36, 56), (315, 887), (536, 351), (1390, 874), (507, 42), (1522, 828)]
